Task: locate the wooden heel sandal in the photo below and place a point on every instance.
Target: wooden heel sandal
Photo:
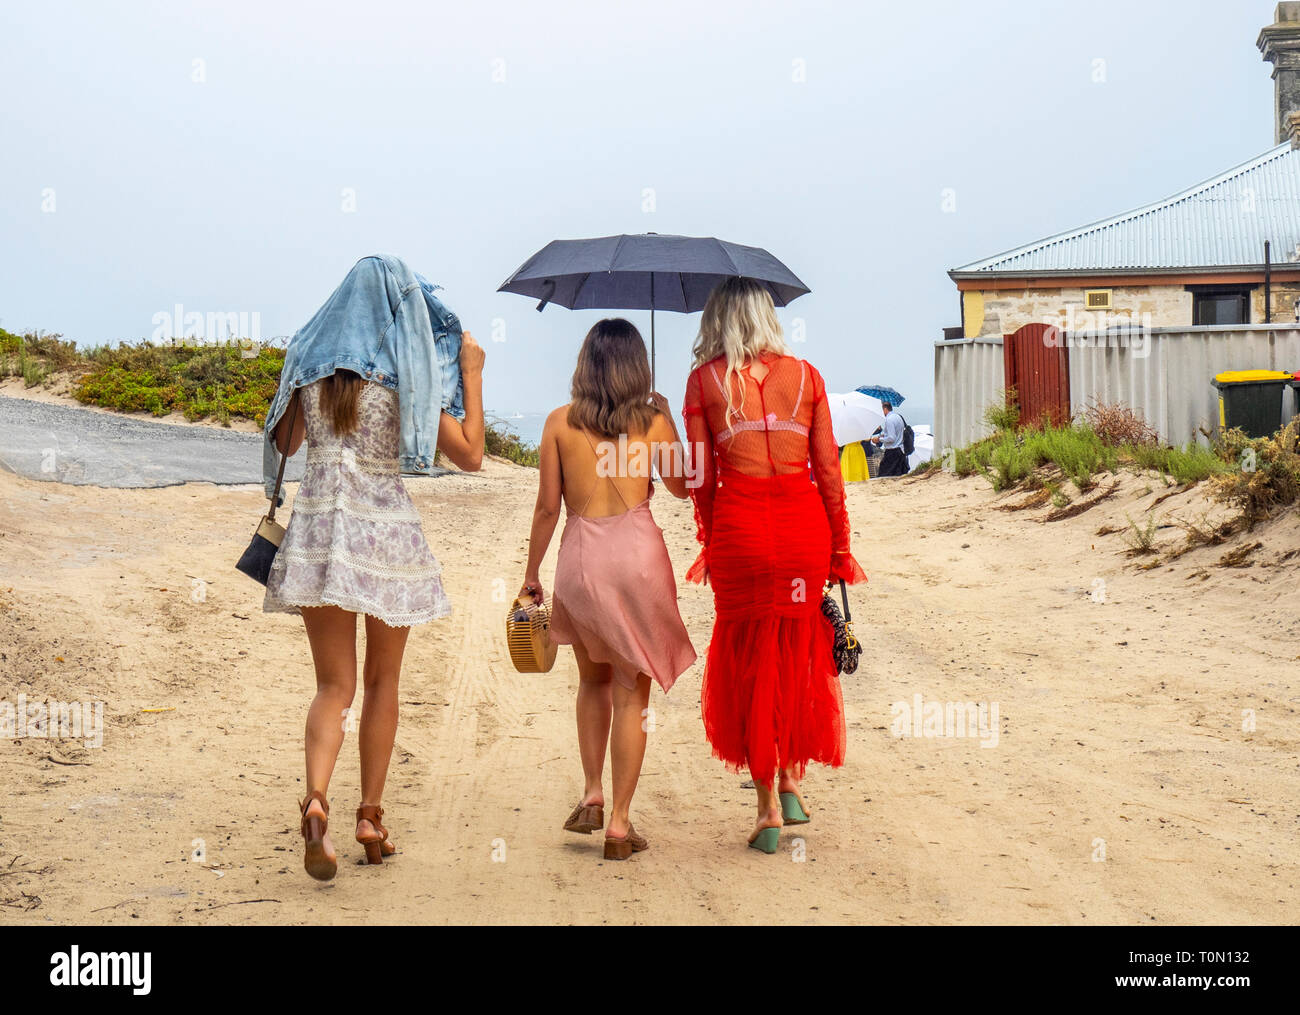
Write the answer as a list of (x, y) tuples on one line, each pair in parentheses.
[(376, 845), (316, 861)]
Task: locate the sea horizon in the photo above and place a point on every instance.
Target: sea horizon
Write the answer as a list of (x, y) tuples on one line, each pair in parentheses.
[(528, 424)]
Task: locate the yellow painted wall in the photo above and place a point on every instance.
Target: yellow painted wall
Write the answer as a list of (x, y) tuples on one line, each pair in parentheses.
[(973, 313)]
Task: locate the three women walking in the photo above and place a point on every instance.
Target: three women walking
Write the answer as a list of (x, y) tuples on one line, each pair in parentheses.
[(382, 376)]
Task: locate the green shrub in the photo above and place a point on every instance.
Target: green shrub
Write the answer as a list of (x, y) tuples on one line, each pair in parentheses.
[(205, 381), (1075, 449), (1010, 462), (1190, 464), (1010, 459), (1141, 538), (1004, 415), (34, 356), (503, 442)]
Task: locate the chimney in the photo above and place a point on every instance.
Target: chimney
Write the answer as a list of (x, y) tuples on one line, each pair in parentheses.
[(1280, 44)]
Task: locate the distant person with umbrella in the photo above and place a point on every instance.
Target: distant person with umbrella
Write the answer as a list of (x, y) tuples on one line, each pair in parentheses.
[(890, 440), (757, 419)]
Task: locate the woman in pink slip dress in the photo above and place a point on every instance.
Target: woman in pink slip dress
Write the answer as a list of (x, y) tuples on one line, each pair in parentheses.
[(615, 598)]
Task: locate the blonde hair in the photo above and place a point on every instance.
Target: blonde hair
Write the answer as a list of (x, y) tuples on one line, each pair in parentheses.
[(739, 322)]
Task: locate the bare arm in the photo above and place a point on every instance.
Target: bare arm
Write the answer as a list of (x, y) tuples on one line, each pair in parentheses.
[(462, 442), (286, 442), (669, 454), (546, 513)]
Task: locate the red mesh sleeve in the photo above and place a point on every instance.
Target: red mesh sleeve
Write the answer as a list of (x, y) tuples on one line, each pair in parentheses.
[(825, 456), (703, 479)]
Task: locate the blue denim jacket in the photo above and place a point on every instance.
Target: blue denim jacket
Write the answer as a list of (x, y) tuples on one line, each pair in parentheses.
[(447, 336), (384, 323)]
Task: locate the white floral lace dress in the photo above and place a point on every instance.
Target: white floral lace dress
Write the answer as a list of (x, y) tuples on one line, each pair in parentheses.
[(354, 539)]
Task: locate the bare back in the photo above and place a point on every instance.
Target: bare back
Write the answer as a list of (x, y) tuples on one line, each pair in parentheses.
[(603, 476)]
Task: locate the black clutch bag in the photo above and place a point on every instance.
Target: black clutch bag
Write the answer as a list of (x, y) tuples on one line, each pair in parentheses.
[(847, 650), (257, 559)]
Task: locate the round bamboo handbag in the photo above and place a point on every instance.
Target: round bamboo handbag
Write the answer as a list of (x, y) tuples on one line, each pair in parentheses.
[(528, 634)]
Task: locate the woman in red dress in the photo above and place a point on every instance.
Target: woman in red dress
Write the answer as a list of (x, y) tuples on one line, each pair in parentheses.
[(758, 423)]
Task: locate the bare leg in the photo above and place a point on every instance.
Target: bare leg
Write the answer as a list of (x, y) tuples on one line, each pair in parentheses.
[(627, 749), (595, 711), (790, 784), (769, 804), (332, 634), (384, 648)]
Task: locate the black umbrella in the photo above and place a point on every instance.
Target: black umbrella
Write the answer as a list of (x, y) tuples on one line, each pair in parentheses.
[(646, 271)]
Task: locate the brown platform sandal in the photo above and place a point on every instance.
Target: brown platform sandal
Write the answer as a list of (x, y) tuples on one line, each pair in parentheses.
[(621, 849), (585, 819), (316, 861), (376, 845)]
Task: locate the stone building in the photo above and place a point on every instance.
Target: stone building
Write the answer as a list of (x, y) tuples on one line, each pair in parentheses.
[(1197, 258)]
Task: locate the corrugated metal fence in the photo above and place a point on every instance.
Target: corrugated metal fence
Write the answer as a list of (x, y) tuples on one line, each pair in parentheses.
[(1165, 373), (967, 380), (1162, 373)]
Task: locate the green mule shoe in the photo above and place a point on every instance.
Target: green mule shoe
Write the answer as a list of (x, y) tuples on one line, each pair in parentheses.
[(792, 810), (766, 840)]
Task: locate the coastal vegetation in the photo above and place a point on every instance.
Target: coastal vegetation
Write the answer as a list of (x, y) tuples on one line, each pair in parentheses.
[(218, 381), (1256, 477)]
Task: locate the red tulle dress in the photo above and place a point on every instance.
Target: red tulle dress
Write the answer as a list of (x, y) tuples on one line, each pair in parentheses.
[(770, 512)]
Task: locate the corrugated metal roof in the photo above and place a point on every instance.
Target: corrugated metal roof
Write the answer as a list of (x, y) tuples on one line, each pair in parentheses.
[(1222, 222)]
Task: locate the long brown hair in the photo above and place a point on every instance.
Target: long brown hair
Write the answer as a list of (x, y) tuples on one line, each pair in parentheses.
[(339, 394), (611, 383)]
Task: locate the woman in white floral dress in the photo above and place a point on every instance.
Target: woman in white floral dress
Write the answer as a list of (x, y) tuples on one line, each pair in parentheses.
[(354, 545)]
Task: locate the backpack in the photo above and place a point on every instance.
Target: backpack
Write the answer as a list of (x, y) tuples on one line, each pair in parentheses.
[(909, 437)]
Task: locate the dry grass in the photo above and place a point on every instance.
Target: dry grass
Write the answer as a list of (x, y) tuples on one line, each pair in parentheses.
[(1238, 557), (1034, 500), (1119, 426), (1267, 477), (1079, 507)]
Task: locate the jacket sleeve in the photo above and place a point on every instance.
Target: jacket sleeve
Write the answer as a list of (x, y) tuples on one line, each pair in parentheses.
[(825, 457), (419, 382)]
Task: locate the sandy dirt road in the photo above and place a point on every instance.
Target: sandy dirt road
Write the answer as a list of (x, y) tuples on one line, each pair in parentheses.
[(1122, 787)]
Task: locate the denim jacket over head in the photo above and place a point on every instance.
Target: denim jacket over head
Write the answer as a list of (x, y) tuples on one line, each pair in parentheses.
[(384, 323), (447, 336)]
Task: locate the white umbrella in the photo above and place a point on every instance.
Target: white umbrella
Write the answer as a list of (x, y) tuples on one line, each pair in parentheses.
[(854, 417), (924, 446)]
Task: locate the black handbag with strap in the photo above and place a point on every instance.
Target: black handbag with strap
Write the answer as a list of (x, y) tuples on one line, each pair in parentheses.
[(257, 559), (847, 649)]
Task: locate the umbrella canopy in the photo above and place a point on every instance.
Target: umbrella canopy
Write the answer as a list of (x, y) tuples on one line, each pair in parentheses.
[(646, 271), (854, 417), (924, 447), (883, 393)]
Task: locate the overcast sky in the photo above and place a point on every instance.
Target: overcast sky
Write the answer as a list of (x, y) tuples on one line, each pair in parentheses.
[(204, 153)]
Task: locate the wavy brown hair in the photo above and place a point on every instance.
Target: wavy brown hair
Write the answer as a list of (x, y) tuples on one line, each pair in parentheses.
[(339, 394), (611, 383)]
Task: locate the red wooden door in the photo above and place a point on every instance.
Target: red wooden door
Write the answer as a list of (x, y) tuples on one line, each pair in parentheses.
[(1036, 364)]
